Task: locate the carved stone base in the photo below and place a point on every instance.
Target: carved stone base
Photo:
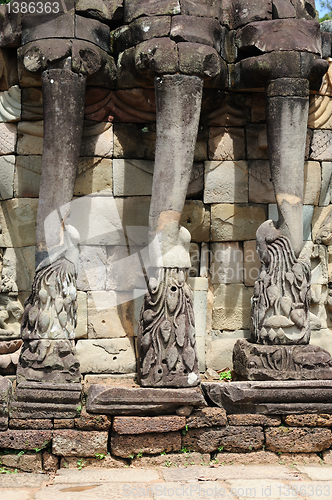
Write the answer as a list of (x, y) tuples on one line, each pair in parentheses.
[(166, 337), (281, 362), (45, 400), (48, 361), (271, 397)]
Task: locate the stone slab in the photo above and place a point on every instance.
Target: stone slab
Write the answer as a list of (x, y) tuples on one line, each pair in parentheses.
[(64, 423), (65, 476), (70, 442), (18, 220), (203, 30), (29, 480), (87, 422), (325, 193), (37, 400), (124, 269), (140, 401), (27, 462), (256, 137), (316, 473), (297, 440), (92, 268), (42, 410), (252, 419), (226, 263), (173, 460), (271, 397), (36, 424), (25, 439), (312, 183), (227, 472), (280, 34), (308, 420), (137, 8), (260, 183), (207, 417), (230, 438), (142, 425), (124, 445), (94, 176), (107, 462)]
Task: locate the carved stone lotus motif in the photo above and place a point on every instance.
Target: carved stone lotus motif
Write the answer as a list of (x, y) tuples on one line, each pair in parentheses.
[(280, 305), (166, 337)]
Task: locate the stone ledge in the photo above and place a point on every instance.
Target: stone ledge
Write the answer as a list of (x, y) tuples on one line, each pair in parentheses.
[(271, 397), (140, 401)]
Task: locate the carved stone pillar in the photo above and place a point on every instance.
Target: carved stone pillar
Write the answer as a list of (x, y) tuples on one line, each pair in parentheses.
[(287, 105), (47, 360), (63, 98), (166, 338)]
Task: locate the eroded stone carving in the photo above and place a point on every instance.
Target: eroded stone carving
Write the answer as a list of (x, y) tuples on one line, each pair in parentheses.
[(280, 310), (50, 317), (11, 312), (48, 361), (166, 338), (294, 362), (50, 311)]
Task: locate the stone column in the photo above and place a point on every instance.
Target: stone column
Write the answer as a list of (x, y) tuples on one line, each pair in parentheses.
[(47, 363), (166, 337), (63, 98), (287, 105)]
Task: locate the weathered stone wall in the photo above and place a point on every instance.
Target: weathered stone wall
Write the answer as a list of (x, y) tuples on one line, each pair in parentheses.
[(230, 195), (207, 436)]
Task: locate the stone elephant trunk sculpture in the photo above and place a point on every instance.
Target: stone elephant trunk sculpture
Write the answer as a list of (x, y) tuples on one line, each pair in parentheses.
[(288, 64)]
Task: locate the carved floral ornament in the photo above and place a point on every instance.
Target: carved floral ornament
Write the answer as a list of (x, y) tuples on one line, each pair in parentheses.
[(280, 306), (166, 337)]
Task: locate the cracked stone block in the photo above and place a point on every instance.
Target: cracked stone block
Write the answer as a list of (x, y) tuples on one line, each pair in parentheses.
[(236, 222), (106, 355), (110, 314)]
